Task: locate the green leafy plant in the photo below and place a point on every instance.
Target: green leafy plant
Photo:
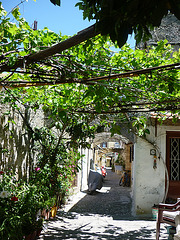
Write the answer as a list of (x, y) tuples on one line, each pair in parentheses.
[(19, 206), (141, 125), (120, 161)]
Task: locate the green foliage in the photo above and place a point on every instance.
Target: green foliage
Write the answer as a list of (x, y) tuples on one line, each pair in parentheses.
[(16, 35), (120, 161), (19, 206), (57, 164), (119, 18), (73, 106), (76, 110), (141, 125), (21, 203)]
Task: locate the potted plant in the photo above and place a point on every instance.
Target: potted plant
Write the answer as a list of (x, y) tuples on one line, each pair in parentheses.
[(10, 220), (39, 226)]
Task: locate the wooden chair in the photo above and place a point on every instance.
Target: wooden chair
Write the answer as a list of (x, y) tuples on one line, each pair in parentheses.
[(170, 214)]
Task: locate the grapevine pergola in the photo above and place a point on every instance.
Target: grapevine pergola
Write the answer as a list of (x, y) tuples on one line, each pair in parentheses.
[(41, 76), (116, 89)]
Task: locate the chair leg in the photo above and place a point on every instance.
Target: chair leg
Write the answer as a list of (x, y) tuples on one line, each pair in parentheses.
[(177, 223), (157, 231), (158, 222)]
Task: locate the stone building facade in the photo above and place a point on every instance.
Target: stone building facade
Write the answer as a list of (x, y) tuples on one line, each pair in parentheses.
[(169, 30), (16, 146)]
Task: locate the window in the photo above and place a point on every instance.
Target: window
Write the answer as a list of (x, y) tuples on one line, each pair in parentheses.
[(173, 155), (104, 144)]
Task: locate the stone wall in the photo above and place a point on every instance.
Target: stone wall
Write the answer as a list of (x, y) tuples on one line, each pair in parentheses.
[(17, 150), (169, 30), (127, 158), (15, 141)]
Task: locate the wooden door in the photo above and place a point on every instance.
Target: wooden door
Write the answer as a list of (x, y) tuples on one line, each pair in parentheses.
[(173, 163)]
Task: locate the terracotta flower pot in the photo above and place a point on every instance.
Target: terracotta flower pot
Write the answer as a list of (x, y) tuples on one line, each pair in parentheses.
[(31, 236), (38, 232), (43, 213), (47, 216)]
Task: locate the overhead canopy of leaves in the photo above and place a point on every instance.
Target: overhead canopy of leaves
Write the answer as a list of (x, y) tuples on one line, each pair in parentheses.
[(118, 18), (87, 80)]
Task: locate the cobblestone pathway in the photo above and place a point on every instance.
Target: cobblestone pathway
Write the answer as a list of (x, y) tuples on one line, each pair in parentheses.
[(103, 215)]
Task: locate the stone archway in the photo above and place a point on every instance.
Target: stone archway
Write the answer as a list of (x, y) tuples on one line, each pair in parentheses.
[(108, 148)]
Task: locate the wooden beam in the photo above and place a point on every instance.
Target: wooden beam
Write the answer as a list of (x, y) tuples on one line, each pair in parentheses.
[(133, 73), (57, 48), (68, 43)]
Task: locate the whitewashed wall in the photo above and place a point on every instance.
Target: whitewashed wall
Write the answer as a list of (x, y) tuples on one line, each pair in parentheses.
[(149, 183), (85, 167)]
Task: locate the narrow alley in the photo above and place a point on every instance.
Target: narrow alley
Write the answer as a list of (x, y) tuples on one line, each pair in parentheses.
[(103, 215)]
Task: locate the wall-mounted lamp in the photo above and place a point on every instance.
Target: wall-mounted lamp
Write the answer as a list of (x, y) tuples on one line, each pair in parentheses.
[(152, 152)]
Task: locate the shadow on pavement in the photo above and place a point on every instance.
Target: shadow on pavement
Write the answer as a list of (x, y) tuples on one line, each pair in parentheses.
[(87, 230), (98, 204), (104, 215)]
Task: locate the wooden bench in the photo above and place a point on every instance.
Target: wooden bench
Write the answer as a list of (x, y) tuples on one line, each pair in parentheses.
[(170, 214)]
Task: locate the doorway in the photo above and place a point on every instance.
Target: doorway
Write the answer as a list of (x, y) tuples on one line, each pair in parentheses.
[(173, 163)]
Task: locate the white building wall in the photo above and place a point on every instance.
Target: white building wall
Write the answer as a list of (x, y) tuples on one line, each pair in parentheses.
[(149, 182), (85, 167)]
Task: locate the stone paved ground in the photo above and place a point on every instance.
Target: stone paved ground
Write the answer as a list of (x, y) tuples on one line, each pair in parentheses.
[(103, 215)]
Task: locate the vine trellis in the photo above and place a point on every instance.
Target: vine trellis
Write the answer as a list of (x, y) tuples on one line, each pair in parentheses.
[(107, 82)]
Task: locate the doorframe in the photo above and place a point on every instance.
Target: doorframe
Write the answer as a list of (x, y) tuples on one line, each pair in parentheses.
[(172, 184)]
